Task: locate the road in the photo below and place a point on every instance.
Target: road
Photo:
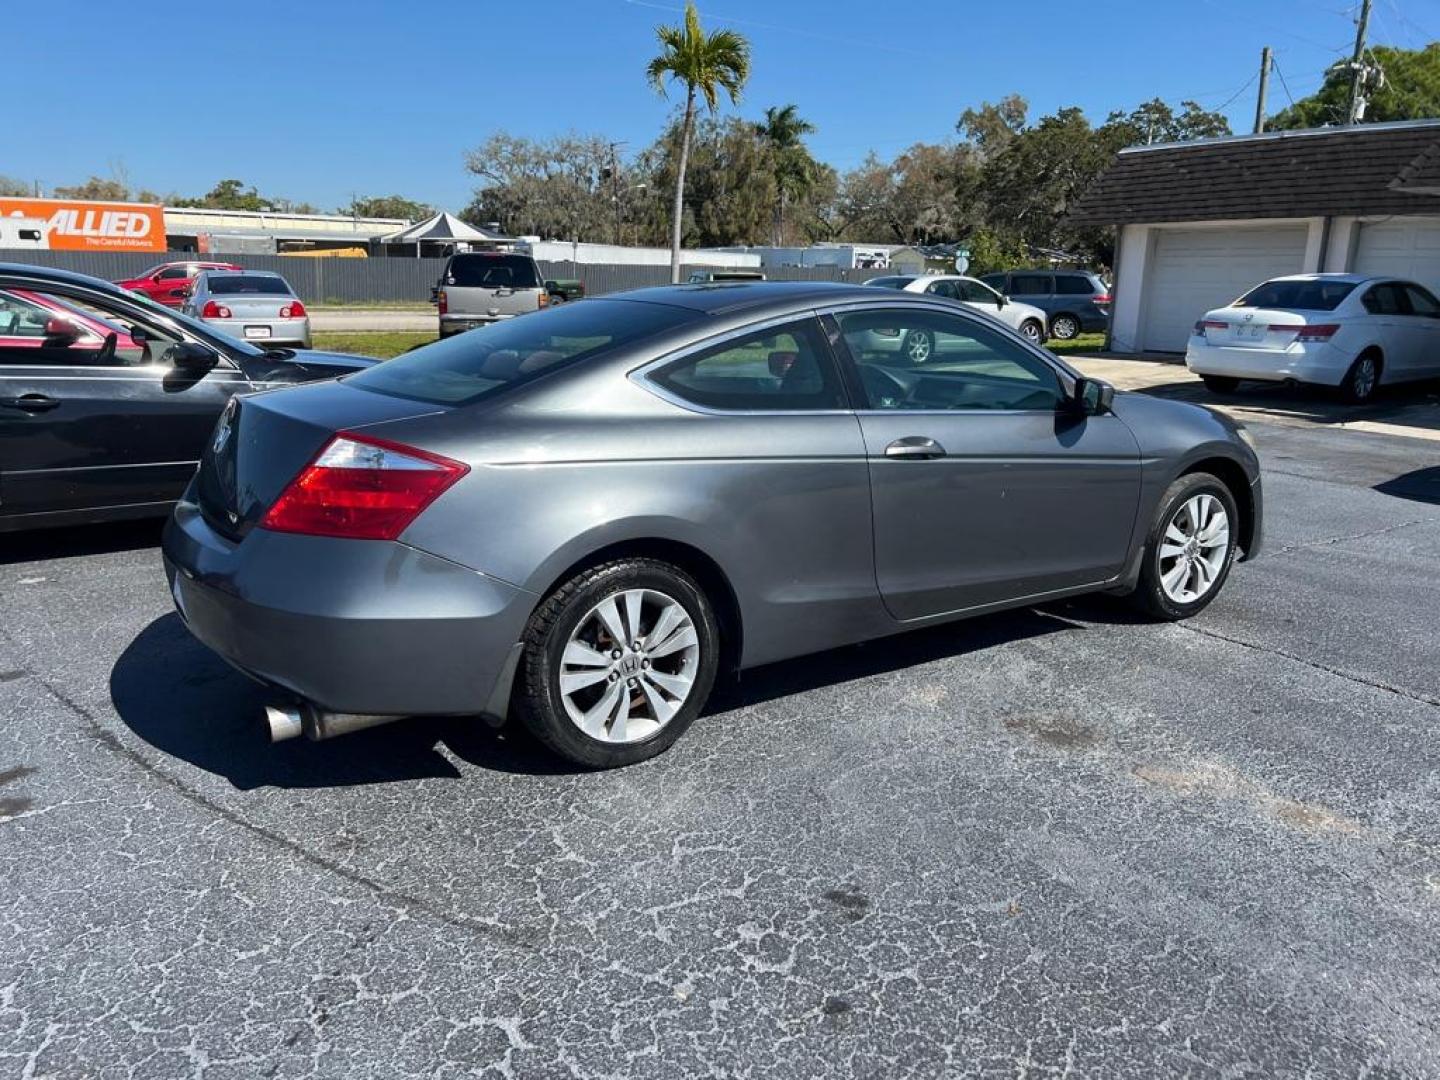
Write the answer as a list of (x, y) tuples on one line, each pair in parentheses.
[(1055, 842)]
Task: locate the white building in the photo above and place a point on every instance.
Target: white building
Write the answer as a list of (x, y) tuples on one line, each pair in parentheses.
[(1199, 223), (844, 256), (615, 254)]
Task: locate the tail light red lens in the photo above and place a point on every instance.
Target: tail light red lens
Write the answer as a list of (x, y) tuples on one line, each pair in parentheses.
[(362, 488), (442, 302), (1209, 324), (293, 310), (1101, 298), (544, 299), (212, 310), (1316, 332)]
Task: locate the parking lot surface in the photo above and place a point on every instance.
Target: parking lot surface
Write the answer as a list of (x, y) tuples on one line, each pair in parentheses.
[(1055, 842)]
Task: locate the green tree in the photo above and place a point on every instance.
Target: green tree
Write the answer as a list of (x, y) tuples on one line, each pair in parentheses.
[(991, 127), (706, 64), (731, 192), (552, 188), (1157, 122), (794, 170), (230, 195), (387, 206), (1411, 91), (96, 188), (12, 187)]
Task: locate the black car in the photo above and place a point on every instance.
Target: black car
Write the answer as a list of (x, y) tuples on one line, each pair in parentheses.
[(1076, 301), (99, 427)]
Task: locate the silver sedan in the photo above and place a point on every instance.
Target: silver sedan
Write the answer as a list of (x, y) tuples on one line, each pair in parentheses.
[(255, 305), (582, 517)]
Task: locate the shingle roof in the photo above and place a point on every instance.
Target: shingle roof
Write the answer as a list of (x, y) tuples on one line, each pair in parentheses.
[(1369, 169)]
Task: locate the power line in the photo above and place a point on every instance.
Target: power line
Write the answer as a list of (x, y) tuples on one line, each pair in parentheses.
[(1248, 83), (1284, 85)]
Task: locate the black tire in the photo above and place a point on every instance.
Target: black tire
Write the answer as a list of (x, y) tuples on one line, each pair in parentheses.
[(538, 700), (1032, 332), (1064, 327), (1150, 595), (918, 346), (1220, 384), (1363, 379), (556, 298)]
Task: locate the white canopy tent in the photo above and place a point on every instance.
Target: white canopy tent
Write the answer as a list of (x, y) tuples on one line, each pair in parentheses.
[(447, 233)]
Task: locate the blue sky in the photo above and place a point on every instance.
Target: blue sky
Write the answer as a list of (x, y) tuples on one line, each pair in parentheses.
[(316, 99)]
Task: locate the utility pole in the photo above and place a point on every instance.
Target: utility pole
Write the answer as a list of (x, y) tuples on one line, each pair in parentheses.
[(1358, 69), (1264, 86)]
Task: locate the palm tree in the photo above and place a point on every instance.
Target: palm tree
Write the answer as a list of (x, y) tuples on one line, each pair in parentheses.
[(794, 168), (706, 64)]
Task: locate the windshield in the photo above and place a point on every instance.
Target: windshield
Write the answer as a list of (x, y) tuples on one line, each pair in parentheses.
[(1297, 295), (890, 282), (480, 271), (466, 367), (240, 284)]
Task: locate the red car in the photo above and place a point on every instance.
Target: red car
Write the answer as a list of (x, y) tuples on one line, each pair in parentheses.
[(31, 319), (166, 283)]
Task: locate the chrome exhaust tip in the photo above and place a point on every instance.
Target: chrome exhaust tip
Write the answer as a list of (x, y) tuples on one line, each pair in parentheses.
[(286, 722)]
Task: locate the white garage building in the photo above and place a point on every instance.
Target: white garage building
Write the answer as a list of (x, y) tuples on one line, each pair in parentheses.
[(1199, 223)]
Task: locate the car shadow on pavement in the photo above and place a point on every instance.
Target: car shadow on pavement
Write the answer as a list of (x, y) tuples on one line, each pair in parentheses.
[(1401, 403), (185, 701), (76, 540), (1419, 485)]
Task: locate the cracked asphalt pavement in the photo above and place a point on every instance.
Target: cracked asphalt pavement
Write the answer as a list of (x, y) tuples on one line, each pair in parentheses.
[(1055, 842)]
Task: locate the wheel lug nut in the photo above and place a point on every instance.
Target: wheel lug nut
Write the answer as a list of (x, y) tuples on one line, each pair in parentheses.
[(614, 675), (644, 663), (616, 654), (632, 683)]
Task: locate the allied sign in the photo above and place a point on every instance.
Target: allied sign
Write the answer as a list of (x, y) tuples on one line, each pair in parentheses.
[(81, 225)]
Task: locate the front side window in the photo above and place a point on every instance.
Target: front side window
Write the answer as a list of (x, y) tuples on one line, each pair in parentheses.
[(786, 367), (975, 293), (1030, 284), (995, 281), (43, 329), (945, 289), (918, 359), (173, 273)]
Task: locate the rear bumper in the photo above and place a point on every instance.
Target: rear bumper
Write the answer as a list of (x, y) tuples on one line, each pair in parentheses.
[(1322, 364), (458, 324), (275, 331), (354, 626)]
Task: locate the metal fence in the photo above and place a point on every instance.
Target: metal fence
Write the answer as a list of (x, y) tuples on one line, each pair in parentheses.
[(382, 280)]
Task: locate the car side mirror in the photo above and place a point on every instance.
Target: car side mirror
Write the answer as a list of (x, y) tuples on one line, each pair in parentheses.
[(1000, 301), (60, 331), (1092, 396), (191, 356), (552, 286)]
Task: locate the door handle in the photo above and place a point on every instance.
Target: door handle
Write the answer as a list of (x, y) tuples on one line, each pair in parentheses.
[(31, 403), (915, 448)]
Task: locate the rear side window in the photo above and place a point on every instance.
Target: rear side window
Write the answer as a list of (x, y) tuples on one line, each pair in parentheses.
[(787, 367), (1421, 301), (480, 271), (243, 284), (995, 281), (468, 366), (1068, 285), (1299, 295), (1384, 300), (1030, 284)]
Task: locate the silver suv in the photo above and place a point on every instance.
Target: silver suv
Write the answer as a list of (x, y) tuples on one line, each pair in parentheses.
[(482, 287)]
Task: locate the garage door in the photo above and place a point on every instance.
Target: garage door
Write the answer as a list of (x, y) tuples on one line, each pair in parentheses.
[(1194, 270), (1401, 247)]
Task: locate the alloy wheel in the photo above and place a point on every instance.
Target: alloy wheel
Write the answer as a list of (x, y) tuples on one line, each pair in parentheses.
[(918, 346), (1065, 327), (1362, 379), (1031, 333), (1193, 548), (629, 666)]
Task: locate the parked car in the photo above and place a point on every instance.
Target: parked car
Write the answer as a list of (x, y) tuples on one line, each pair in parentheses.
[(115, 431), (167, 282), (592, 511), (1342, 330), (256, 305), (31, 320), (563, 290), (482, 287), (705, 277), (1076, 301), (1028, 321)]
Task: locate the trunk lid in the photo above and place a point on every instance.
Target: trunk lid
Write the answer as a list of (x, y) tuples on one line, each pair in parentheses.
[(263, 441), (255, 307), (1255, 328), (489, 303)]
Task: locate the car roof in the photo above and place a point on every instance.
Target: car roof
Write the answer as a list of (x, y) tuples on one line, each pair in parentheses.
[(741, 297), (1354, 279), (226, 272), (63, 277)]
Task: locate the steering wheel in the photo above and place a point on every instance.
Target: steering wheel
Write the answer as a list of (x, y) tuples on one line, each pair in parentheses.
[(884, 389)]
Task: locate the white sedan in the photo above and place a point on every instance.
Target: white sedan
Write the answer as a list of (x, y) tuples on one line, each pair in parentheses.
[(1344, 330), (1029, 321)]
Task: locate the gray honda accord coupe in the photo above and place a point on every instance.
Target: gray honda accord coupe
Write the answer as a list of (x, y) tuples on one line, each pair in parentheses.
[(580, 517)]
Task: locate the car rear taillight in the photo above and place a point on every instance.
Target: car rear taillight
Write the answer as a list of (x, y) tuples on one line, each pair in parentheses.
[(442, 302), (1209, 324), (544, 299), (1316, 332), (212, 310), (1101, 298), (362, 488), (293, 310)]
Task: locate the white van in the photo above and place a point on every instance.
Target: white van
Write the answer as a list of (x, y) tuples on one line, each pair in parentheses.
[(24, 232)]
